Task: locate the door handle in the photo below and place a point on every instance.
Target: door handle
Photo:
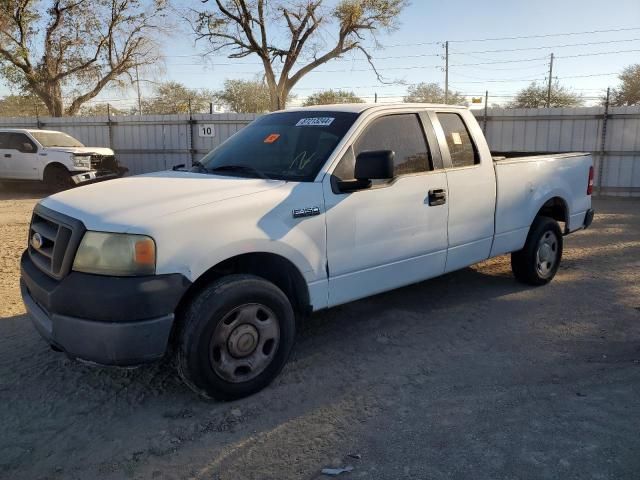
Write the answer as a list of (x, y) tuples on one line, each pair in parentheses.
[(437, 196), (7, 155)]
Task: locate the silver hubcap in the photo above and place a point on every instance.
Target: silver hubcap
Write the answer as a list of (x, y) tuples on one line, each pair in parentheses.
[(547, 254), (244, 342)]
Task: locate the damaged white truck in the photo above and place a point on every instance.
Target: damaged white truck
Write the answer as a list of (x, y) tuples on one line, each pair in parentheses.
[(300, 211), (54, 158)]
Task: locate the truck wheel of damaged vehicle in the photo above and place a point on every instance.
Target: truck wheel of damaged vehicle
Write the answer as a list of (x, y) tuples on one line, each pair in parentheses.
[(538, 262), (57, 178), (235, 337)]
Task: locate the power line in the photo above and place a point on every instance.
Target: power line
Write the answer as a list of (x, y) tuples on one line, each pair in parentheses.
[(536, 79), (561, 34), (422, 55), (599, 53), (547, 47)]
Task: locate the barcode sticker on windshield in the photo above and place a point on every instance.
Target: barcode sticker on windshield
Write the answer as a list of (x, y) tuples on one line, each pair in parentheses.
[(315, 122)]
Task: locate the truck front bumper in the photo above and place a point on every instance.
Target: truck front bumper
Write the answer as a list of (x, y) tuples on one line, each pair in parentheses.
[(93, 176), (106, 320)]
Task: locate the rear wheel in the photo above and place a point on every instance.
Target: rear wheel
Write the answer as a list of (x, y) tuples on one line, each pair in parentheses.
[(57, 178), (538, 262), (235, 337)]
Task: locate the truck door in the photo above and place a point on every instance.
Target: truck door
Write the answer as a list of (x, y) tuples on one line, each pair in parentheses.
[(5, 155), (472, 189), (20, 157), (394, 233)]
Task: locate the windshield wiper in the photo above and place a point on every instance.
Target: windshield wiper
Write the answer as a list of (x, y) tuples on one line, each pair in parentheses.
[(195, 163), (238, 168)]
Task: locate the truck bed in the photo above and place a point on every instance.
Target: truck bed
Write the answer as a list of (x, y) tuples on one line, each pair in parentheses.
[(532, 156), (524, 181)]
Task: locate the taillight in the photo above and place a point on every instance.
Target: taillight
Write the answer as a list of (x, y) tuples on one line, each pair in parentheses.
[(590, 184)]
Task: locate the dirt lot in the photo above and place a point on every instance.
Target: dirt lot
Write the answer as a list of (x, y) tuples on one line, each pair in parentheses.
[(471, 375)]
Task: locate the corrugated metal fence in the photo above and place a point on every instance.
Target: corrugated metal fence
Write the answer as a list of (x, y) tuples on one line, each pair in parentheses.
[(157, 142), (614, 139), (146, 143)]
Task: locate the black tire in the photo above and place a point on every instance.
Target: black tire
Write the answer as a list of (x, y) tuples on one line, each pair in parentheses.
[(223, 310), (538, 262), (57, 178)]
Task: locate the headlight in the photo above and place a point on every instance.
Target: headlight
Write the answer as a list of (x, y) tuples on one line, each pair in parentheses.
[(83, 161), (116, 254)]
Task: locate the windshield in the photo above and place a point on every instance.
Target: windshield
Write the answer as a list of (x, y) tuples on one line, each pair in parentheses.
[(286, 146), (56, 139)]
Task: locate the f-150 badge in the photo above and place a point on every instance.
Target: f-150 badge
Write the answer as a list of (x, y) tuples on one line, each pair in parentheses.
[(306, 212)]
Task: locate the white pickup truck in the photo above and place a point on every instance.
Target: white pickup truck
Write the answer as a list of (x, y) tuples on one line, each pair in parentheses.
[(300, 211), (55, 158)]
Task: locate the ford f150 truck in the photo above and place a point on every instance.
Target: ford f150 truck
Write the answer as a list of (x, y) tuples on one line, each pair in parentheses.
[(300, 211), (55, 158)]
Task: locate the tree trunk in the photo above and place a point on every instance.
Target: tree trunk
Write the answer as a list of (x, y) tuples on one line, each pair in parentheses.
[(51, 96)]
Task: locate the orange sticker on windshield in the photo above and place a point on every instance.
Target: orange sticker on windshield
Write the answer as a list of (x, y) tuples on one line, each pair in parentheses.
[(272, 138)]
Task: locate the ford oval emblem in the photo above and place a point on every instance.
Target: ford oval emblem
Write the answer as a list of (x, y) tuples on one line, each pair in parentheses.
[(36, 241)]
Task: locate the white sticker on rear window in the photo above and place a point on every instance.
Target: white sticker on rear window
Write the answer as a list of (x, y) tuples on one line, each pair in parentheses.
[(457, 140), (315, 122)]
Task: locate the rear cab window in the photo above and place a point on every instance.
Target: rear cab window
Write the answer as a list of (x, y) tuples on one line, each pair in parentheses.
[(462, 149)]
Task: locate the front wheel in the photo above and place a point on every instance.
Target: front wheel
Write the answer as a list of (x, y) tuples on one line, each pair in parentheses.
[(57, 178), (539, 259), (235, 337)]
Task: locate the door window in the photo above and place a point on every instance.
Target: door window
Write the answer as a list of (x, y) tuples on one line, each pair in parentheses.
[(401, 134), (19, 141), (461, 148), (4, 140)]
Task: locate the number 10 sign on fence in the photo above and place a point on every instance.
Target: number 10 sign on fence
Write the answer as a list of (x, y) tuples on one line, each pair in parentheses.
[(206, 130)]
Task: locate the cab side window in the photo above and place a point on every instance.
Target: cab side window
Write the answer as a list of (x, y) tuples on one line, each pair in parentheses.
[(4, 140), (401, 134), (461, 147), (22, 143)]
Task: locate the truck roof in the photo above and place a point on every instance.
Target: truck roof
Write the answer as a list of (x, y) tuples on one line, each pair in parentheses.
[(361, 107), (27, 130)]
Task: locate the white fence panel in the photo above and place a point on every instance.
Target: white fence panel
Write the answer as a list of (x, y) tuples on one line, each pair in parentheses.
[(158, 142), (617, 162), (144, 143)]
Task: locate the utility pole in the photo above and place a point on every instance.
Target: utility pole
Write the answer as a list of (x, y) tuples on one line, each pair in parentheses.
[(603, 139), (486, 106), (446, 72), (550, 80), (138, 85)]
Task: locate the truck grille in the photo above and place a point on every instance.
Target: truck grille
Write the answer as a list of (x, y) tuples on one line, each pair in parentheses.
[(104, 162), (53, 241)]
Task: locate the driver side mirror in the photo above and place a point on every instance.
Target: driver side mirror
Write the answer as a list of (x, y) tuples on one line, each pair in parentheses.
[(374, 165), (371, 165)]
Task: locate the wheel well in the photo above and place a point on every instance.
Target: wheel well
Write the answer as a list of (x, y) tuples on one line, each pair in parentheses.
[(272, 267), (555, 208), (51, 166)]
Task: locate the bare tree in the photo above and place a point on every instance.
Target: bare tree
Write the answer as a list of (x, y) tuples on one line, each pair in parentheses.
[(628, 93), (535, 96), (21, 106), (173, 97), (243, 28), (329, 97), (73, 49), (432, 93)]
